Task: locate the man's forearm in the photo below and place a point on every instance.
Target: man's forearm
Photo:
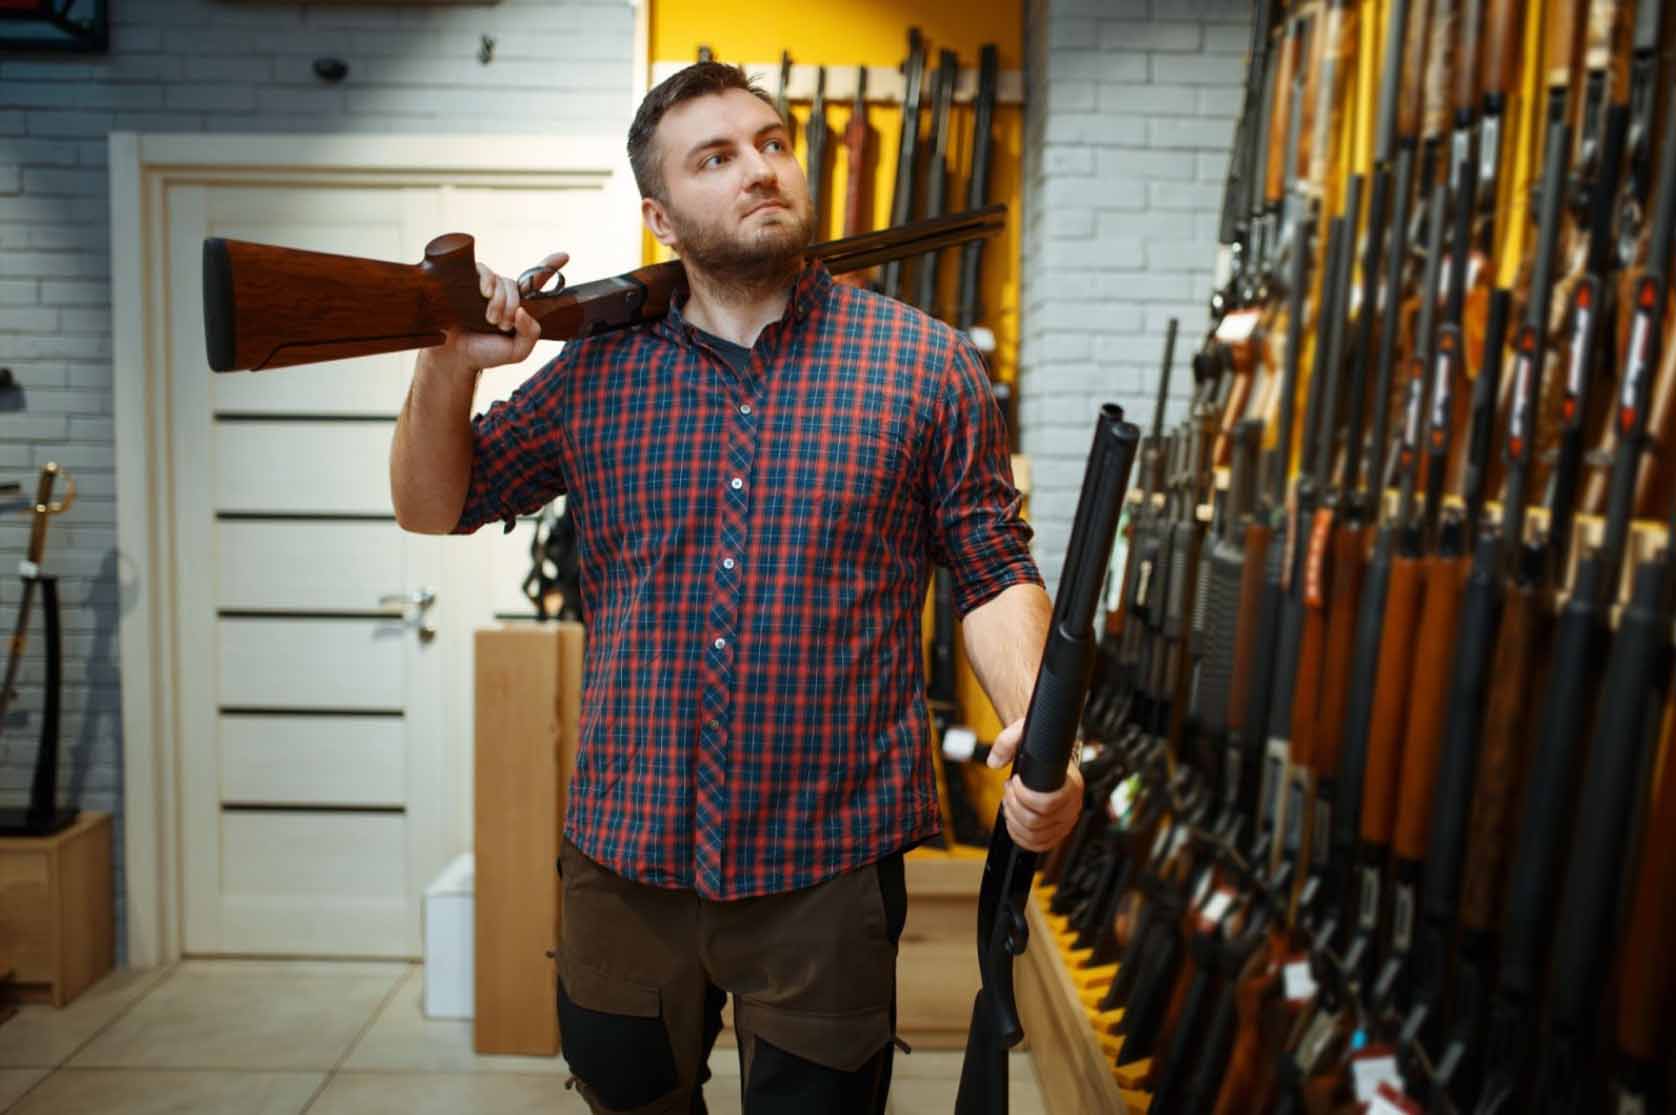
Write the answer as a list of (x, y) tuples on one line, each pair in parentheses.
[(430, 456), (1004, 638)]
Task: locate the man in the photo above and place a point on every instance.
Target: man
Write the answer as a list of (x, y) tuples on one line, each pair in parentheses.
[(760, 483)]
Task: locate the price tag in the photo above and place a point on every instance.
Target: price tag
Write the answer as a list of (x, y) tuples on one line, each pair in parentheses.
[(1300, 982), (960, 744), (28, 568), (1387, 1100), (1217, 906), (1368, 1073)]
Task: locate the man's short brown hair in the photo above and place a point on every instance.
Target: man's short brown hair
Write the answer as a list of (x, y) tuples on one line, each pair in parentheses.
[(698, 80)]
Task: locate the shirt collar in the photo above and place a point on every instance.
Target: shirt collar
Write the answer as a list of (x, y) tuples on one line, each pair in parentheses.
[(809, 291)]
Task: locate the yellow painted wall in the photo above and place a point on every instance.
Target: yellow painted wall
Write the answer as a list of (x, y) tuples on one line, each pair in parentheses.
[(848, 33)]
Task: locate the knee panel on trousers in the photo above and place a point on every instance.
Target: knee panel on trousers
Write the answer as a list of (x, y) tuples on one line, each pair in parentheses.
[(617, 1045)]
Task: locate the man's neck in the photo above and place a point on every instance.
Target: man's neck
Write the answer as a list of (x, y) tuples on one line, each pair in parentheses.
[(736, 310)]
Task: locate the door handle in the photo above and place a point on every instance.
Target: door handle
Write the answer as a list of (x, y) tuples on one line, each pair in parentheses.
[(413, 606)]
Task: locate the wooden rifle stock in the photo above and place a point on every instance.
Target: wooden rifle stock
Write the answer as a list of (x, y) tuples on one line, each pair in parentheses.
[(1521, 646), (1501, 45), (1274, 187), (273, 307), (1445, 576), (1465, 94), (1417, 39), (857, 218)]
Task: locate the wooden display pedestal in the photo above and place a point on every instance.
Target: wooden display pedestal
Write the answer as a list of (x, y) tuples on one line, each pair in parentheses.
[(1071, 1063), (529, 692), (57, 931)]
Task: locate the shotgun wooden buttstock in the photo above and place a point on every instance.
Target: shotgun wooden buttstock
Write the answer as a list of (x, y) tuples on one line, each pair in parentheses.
[(1440, 67), (1644, 1017), (1350, 548), (1416, 40), (271, 307), (1503, 33), (1433, 657), (1257, 538), (1504, 752), (1470, 24), (1312, 643), (1390, 701), (1276, 172)]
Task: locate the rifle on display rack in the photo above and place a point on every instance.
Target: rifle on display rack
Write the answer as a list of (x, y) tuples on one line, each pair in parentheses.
[(1050, 729), (815, 136), (782, 104), (857, 218), (907, 157), (272, 307), (937, 171)]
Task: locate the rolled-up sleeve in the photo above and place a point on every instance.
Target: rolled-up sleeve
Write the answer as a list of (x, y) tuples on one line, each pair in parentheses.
[(517, 452), (977, 523)]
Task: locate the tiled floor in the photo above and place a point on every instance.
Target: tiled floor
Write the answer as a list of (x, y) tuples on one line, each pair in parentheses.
[(232, 1037)]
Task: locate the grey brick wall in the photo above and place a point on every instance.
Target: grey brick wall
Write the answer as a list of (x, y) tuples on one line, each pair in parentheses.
[(1131, 106), (560, 67)]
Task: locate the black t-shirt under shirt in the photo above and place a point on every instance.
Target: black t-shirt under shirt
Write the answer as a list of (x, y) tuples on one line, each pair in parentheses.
[(736, 355)]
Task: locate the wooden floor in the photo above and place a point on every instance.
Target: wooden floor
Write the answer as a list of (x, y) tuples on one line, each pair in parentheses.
[(233, 1037)]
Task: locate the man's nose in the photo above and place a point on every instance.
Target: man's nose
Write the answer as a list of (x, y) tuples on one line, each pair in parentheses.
[(758, 170)]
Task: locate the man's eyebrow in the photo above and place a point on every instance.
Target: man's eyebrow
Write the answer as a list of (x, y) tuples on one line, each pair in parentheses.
[(723, 141)]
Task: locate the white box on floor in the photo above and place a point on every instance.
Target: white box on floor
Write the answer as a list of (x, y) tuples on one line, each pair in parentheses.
[(449, 949)]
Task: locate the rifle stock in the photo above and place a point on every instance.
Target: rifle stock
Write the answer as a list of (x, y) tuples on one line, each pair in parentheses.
[(273, 307)]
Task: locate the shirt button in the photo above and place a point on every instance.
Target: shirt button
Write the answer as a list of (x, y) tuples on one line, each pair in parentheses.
[(744, 408), (719, 644), (727, 563), (736, 483)]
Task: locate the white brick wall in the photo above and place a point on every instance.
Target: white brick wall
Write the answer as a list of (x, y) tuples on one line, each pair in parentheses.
[(1130, 116), (560, 67)]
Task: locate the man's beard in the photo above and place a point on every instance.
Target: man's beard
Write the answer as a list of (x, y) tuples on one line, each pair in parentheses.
[(750, 261)]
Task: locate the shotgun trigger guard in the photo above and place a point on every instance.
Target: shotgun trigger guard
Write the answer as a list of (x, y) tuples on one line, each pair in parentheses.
[(531, 282)]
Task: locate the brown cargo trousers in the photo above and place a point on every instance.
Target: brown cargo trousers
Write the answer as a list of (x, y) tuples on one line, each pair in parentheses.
[(645, 971)]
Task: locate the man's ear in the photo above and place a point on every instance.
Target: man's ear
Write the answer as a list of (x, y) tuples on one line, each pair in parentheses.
[(656, 219)]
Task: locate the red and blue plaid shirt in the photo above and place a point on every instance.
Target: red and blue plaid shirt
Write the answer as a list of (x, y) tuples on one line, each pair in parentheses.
[(755, 550)]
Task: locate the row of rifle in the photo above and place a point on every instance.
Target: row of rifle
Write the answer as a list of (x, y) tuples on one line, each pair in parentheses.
[(924, 178), (1380, 798)]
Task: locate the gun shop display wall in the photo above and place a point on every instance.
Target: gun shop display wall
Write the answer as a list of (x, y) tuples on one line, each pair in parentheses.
[(1385, 802)]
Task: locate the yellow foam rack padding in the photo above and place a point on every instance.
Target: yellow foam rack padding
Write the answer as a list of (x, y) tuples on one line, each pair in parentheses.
[(1136, 1102), (1134, 1074), (1104, 1020)]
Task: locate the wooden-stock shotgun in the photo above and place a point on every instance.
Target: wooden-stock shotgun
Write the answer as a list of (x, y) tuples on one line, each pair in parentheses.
[(272, 307)]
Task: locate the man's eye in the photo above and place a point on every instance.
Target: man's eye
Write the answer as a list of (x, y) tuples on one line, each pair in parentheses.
[(711, 160), (776, 144)]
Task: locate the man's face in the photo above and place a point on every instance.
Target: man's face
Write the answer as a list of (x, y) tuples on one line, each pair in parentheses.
[(737, 202)]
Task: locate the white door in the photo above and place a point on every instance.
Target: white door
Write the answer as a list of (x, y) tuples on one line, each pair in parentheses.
[(324, 681)]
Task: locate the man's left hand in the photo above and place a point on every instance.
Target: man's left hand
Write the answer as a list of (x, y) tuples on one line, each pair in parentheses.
[(1037, 822)]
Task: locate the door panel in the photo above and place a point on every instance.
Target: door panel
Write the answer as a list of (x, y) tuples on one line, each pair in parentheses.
[(313, 566), (313, 760), (313, 663), (316, 882), (303, 467)]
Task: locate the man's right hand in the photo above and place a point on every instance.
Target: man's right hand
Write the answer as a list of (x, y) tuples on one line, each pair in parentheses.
[(476, 351)]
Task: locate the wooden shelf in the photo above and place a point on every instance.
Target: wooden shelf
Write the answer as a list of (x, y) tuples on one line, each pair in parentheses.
[(56, 911)]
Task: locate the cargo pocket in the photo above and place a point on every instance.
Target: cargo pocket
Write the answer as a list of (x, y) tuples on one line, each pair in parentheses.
[(612, 1035)]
